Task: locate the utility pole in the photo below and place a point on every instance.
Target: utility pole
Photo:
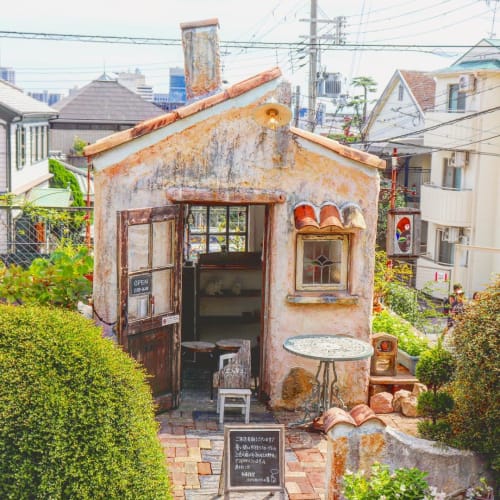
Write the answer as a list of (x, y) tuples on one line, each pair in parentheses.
[(297, 105), (315, 52), (394, 173), (313, 64)]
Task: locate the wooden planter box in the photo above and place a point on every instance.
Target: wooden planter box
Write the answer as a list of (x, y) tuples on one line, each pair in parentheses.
[(407, 361)]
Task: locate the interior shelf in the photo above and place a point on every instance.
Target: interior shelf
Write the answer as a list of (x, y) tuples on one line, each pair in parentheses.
[(222, 273)]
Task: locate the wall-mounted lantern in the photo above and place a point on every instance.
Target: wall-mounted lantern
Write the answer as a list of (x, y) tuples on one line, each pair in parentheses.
[(272, 114)]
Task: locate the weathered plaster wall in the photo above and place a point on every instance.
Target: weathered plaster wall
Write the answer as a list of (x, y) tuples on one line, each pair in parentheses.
[(358, 448), (229, 150)]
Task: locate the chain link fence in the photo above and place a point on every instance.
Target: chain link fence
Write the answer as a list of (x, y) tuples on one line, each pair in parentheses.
[(28, 234)]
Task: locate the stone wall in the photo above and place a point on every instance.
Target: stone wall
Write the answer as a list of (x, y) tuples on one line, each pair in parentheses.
[(358, 439)]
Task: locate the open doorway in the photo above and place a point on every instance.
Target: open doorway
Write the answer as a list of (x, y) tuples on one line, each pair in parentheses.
[(222, 272), (222, 279)]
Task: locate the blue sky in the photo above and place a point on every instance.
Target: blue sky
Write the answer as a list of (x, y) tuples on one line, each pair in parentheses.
[(60, 65)]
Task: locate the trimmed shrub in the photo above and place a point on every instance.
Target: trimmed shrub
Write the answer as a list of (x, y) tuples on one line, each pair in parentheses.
[(435, 368), (76, 414), (476, 385)]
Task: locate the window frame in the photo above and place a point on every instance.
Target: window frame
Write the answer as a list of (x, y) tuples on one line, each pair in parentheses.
[(452, 176), (343, 285), (20, 147), (400, 92), (208, 234), (456, 100), (444, 247)]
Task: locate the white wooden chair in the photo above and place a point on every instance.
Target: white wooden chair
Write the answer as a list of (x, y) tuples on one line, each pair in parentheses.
[(234, 382)]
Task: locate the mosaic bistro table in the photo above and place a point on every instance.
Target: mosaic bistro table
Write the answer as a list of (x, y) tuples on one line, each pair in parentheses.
[(327, 349)]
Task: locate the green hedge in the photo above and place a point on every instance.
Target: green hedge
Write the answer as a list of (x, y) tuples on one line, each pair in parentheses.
[(76, 414), (63, 177)]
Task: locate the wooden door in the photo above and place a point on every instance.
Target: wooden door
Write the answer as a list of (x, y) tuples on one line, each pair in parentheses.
[(149, 257)]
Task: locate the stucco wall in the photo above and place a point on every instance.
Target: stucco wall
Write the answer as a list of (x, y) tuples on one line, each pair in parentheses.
[(229, 150)]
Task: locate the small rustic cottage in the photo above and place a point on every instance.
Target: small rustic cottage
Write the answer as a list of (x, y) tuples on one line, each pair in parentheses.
[(219, 220)]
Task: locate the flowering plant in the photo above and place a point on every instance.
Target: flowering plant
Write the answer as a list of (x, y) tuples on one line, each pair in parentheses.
[(482, 491), (382, 484)]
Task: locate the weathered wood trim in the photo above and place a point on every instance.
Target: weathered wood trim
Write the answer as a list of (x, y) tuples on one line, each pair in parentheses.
[(226, 195), (122, 271)]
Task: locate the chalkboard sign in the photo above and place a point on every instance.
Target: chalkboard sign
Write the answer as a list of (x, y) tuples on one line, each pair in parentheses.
[(140, 284), (254, 458)]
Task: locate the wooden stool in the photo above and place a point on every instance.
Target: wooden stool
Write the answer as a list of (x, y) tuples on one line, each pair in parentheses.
[(231, 345), (234, 398)]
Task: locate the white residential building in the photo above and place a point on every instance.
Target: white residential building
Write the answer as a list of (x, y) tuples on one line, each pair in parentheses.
[(395, 126), (24, 139), (461, 203)]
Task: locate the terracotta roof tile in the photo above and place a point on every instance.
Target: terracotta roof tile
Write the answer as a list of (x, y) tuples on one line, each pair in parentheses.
[(356, 417), (346, 151), (307, 215), (233, 91), (156, 123), (422, 86)]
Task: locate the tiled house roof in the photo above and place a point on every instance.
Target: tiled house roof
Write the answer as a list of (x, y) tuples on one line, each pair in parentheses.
[(14, 101), (422, 86), (105, 101), (229, 93)]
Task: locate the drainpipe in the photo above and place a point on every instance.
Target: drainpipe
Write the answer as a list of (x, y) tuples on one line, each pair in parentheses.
[(87, 203)]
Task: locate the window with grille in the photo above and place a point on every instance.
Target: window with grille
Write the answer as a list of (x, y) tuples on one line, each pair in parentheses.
[(216, 228), (322, 262)]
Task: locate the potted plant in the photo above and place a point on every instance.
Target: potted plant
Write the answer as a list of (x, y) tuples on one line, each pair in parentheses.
[(410, 343)]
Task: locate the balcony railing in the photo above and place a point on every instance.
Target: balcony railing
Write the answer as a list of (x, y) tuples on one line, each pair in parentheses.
[(446, 206)]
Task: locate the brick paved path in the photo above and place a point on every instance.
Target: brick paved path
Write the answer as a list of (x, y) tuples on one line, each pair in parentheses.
[(193, 442)]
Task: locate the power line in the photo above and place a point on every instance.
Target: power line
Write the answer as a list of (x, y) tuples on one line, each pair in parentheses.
[(224, 44), (439, 125)]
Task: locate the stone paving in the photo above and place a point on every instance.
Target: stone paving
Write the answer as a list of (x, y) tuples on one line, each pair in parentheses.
[(193, 442)]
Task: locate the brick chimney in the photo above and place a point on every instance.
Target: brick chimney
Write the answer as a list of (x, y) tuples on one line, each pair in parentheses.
[(200, 42)]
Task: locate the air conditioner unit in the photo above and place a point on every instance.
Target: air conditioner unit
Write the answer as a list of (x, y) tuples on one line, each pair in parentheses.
[(466, 83), (451, 234)]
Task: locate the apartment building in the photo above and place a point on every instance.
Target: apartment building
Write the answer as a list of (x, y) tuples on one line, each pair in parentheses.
[(461, 201)]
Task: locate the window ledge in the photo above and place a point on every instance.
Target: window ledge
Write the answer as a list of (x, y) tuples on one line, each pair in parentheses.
[(342, 299)]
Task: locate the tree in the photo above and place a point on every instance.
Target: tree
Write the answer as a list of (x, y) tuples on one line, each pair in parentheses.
[(78, 146), (476, 339), (369, 85)]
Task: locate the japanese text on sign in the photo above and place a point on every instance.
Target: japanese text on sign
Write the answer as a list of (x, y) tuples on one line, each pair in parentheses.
[(255, 458)]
